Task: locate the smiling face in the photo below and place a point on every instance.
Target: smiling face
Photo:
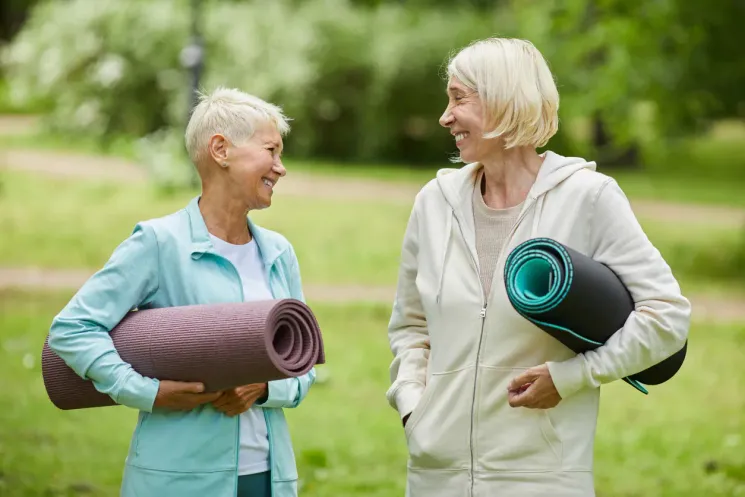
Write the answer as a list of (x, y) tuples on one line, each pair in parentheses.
[(464, 117), (255, 166)]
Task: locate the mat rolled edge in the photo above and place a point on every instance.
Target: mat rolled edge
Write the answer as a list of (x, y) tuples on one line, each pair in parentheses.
[(67, 390), (657, 374)]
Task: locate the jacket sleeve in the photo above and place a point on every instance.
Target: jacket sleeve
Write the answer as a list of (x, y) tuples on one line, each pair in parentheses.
[(658, 326), (79, 334), (290, 391), (407, 330)]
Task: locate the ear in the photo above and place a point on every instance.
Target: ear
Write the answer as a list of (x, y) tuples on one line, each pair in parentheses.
[(218, 148)]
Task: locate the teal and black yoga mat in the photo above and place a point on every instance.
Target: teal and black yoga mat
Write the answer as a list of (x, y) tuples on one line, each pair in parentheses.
[(577, 300)]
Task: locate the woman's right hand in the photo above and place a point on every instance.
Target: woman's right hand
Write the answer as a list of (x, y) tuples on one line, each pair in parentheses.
[(182, 396)]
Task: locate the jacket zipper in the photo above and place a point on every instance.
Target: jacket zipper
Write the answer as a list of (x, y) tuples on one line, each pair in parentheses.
[(238, 418), (482, 314)]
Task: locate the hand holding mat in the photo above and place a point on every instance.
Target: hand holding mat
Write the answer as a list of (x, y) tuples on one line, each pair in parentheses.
[(577, 300), (220, 345)]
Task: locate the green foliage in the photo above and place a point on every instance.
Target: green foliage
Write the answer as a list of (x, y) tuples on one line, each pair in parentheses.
[(359, 83), (108, 66), (648, 72), (363, 78)]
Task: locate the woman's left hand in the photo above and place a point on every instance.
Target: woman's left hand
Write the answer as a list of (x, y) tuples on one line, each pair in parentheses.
[(240, 399), (534, 388)]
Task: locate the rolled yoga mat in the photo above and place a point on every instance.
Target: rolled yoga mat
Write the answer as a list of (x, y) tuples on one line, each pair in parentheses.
[(577, 300), (220, 345)]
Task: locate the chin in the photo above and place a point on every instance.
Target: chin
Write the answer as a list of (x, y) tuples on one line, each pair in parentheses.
[(468, 158)]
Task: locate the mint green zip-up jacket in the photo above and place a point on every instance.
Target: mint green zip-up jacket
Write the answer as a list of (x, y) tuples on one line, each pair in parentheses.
[(170, 261)]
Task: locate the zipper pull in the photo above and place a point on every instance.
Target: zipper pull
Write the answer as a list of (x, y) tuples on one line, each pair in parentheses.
[(483, 311)]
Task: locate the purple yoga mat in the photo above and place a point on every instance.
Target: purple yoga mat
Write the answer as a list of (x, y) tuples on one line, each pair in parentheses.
[(220, 345)]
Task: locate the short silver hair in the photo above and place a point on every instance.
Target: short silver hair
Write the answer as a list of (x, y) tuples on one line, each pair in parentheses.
[(516, 87), (232, 113)]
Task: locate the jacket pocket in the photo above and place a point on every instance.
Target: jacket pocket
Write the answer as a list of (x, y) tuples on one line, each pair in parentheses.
[(438, 429), (512, 438), (202, 439), (141, 482)]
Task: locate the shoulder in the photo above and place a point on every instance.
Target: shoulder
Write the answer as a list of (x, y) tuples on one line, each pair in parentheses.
[(174, 226), (453, 181), (586, 184), (272, 238)]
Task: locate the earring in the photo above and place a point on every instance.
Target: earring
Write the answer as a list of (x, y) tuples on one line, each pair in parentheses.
[(224, 164)]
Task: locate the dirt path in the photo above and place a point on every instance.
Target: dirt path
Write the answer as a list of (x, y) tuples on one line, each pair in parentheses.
[(706, 308), (13, 125), (328, 187), (299, 184), (30, 278)]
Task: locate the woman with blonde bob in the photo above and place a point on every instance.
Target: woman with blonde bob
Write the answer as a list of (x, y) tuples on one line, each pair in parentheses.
[(187, 442), (491, 404)]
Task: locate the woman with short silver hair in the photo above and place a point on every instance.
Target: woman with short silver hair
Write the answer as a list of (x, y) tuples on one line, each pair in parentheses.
[(188, 442), (492, 405)]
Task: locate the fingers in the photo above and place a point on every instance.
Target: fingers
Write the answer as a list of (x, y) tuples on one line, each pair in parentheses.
[(527, 376), (192, 400), (238, 400), (184, 387), (522, 398), (224, 399)]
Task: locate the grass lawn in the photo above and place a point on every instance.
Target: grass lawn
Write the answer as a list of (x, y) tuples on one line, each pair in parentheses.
[(686, 439), (61, 223), (56, 222)]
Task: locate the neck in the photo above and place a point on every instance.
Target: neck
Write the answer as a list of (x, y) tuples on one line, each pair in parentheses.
[(509, 175), (224, 216)]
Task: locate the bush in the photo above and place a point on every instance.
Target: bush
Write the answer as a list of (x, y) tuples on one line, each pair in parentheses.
[(108, 67), (360, 83)]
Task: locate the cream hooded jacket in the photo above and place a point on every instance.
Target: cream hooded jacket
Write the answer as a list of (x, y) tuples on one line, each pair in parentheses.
[(455, 353)]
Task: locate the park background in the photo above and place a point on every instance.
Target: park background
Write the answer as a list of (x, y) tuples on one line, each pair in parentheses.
[(94, 96)]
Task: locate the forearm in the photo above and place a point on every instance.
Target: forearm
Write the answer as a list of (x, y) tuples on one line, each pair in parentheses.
[(91, 354)]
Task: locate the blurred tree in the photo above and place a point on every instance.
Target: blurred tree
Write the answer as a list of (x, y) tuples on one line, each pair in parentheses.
[(12, 15), (640, 73), (448, 4), (365, 83)]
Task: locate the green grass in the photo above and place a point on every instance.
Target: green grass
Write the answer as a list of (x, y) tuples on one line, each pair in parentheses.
[(61, 223), (683, 440), (53, 222)]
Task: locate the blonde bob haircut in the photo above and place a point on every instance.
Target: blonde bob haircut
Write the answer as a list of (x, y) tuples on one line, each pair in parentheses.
[(232, 113), (516, 88)]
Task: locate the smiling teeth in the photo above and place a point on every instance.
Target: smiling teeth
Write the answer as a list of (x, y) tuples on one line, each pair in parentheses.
[(268, 183), (460, 136)]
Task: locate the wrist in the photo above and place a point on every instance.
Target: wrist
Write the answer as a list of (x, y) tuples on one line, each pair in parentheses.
[(264, 394)]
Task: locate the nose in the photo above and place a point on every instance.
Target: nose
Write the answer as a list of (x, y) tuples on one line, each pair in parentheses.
[(446, 119), (279, 168)]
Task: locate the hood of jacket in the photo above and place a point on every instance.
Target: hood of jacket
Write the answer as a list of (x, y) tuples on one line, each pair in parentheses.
[(457, 186)]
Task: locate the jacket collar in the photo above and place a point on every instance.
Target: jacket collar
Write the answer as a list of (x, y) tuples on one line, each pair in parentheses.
[(270, 245)]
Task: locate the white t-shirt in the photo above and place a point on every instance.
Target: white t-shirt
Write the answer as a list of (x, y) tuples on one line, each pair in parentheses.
[(253, 456)]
